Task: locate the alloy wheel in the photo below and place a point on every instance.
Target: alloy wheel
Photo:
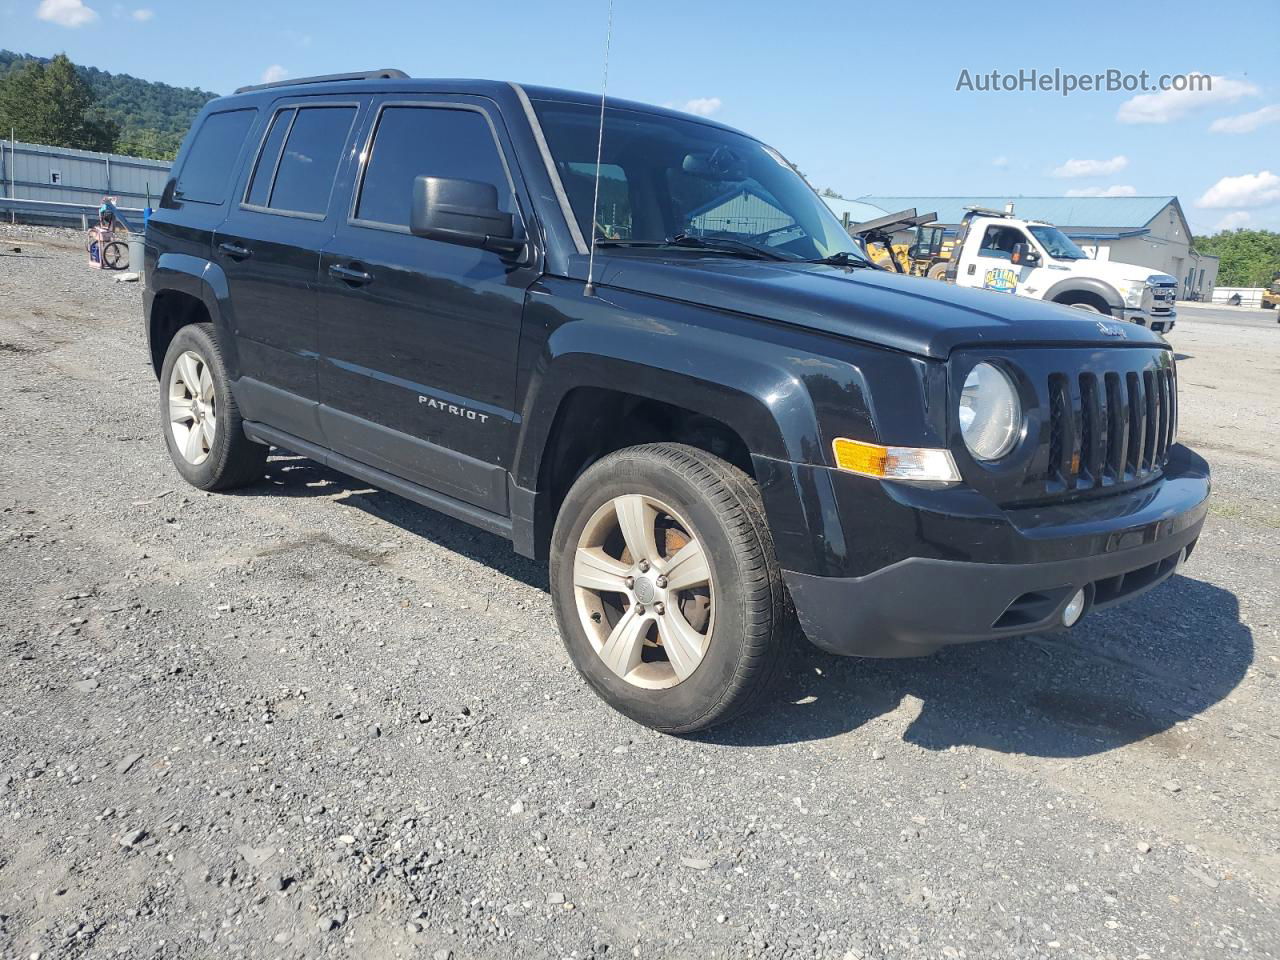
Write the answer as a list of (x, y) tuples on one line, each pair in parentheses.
[(193, 414), (643, 590)]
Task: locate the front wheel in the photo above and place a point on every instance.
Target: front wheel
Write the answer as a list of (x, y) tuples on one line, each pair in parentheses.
[(1088, 307), (666, 588)]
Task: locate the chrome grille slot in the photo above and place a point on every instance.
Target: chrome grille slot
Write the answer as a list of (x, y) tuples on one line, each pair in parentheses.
[(1137, 425), (1062, 434), (1153, 420), (1093, 433), (1117, 428)]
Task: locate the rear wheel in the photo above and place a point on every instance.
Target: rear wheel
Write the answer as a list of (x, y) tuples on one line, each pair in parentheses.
[(202, 425), (937, 272), (666, 588)]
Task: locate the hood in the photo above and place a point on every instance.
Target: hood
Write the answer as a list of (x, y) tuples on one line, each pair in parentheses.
[(1115, 272), (911, 314)]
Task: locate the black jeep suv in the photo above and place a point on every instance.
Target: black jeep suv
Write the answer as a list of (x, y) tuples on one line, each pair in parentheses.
[(738, 420)]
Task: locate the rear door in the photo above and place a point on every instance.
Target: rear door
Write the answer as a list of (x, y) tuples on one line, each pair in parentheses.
[(269, 249), (419, 338)]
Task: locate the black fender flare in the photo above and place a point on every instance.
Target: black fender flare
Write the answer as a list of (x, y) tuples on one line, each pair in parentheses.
[(1099, 288), (202, 280)]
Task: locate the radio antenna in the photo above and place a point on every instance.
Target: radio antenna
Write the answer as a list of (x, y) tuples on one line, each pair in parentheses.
[(590, 289)]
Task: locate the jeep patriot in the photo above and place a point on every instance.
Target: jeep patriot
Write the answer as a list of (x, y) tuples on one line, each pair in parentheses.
[(741, 426)]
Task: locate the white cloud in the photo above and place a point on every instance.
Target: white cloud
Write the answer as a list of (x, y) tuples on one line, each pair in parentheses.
[(66, 13), (1118, 190), (1247, 190), (1247, 122), (1000, 161), (1233, 220), (1091, 168), (1169, 105), (143, 14), (274, 73), (702, 106)]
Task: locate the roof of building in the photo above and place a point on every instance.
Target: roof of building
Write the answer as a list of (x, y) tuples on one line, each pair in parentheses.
[(859, 211), (1117, 213)]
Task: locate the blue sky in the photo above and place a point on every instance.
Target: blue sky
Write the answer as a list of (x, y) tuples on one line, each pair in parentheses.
[(860, 102)]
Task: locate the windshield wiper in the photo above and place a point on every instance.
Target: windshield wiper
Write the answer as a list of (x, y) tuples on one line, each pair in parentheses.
[(721, 244), (844, 258), (726, 244)]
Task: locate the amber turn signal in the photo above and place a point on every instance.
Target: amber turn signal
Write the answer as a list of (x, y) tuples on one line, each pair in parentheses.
[(895, 463)]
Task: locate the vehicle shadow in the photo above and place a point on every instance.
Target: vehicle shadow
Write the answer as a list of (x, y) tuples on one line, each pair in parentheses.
[(1122, 675), (289, 475)]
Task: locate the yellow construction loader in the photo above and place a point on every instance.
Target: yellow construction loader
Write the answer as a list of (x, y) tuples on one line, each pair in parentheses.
[(925, 256)]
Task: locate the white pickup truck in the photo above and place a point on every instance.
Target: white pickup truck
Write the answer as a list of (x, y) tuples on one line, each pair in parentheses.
[(1029, 258)]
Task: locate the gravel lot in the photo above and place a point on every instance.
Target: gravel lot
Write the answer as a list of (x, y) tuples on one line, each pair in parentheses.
[(311, 719)]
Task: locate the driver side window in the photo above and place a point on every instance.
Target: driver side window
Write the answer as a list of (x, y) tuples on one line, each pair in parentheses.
[(999, 242)]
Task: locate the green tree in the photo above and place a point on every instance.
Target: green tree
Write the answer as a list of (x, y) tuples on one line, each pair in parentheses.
[(1249, 258), (152, 117), (51, 103)]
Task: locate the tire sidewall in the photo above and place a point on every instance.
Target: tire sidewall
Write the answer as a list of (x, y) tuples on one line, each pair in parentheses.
[(689, 701), (199, 340)]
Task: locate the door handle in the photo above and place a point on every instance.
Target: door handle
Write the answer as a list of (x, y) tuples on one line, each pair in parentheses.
[(349, 274), (235, 251)]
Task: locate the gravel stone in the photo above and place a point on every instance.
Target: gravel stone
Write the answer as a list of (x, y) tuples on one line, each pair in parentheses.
[(244, 646)]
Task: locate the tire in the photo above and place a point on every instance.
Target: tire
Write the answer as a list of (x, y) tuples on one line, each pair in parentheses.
[(1089, 307), (227, 459), (741, 620), (937, 272), (115, 255)]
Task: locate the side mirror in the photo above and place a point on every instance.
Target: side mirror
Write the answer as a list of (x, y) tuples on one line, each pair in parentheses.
[(1023, 255), (464, 212)]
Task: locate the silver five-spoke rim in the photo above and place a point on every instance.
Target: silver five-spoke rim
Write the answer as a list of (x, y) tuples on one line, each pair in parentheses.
[(193, 413), (642, 584)]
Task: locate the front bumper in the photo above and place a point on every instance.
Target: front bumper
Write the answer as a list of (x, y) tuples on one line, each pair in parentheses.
[(1159, 323), (1008, 576)]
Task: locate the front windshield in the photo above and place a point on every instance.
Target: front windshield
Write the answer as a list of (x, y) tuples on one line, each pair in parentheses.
[(665, 177), (1058, 244)]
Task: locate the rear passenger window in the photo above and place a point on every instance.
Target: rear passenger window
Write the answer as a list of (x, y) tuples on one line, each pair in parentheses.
[(427, 141), (265, 170), (211, 160), (305, 171)]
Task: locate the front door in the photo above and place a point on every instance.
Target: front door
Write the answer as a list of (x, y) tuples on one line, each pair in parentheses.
[(993, 267), (418, 338), (268, 247)]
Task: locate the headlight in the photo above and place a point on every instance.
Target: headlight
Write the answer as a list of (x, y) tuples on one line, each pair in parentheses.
[(990, 413), (1136, 291)]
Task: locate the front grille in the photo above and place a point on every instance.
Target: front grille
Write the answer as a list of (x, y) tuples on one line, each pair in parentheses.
[(1109, 428), (1163, 301)]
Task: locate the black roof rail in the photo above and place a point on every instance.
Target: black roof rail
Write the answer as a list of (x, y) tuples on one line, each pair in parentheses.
[(364, 75)]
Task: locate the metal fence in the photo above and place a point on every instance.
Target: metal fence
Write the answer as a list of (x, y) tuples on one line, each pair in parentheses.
[(46, 183)]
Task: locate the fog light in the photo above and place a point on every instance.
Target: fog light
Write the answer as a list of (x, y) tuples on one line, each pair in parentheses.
[(1074, 608)]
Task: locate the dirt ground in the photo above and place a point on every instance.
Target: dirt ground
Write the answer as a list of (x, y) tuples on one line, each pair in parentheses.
[(311, 719)]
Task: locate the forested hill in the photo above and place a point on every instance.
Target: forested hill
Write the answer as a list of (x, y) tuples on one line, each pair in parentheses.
[(152, 117)]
